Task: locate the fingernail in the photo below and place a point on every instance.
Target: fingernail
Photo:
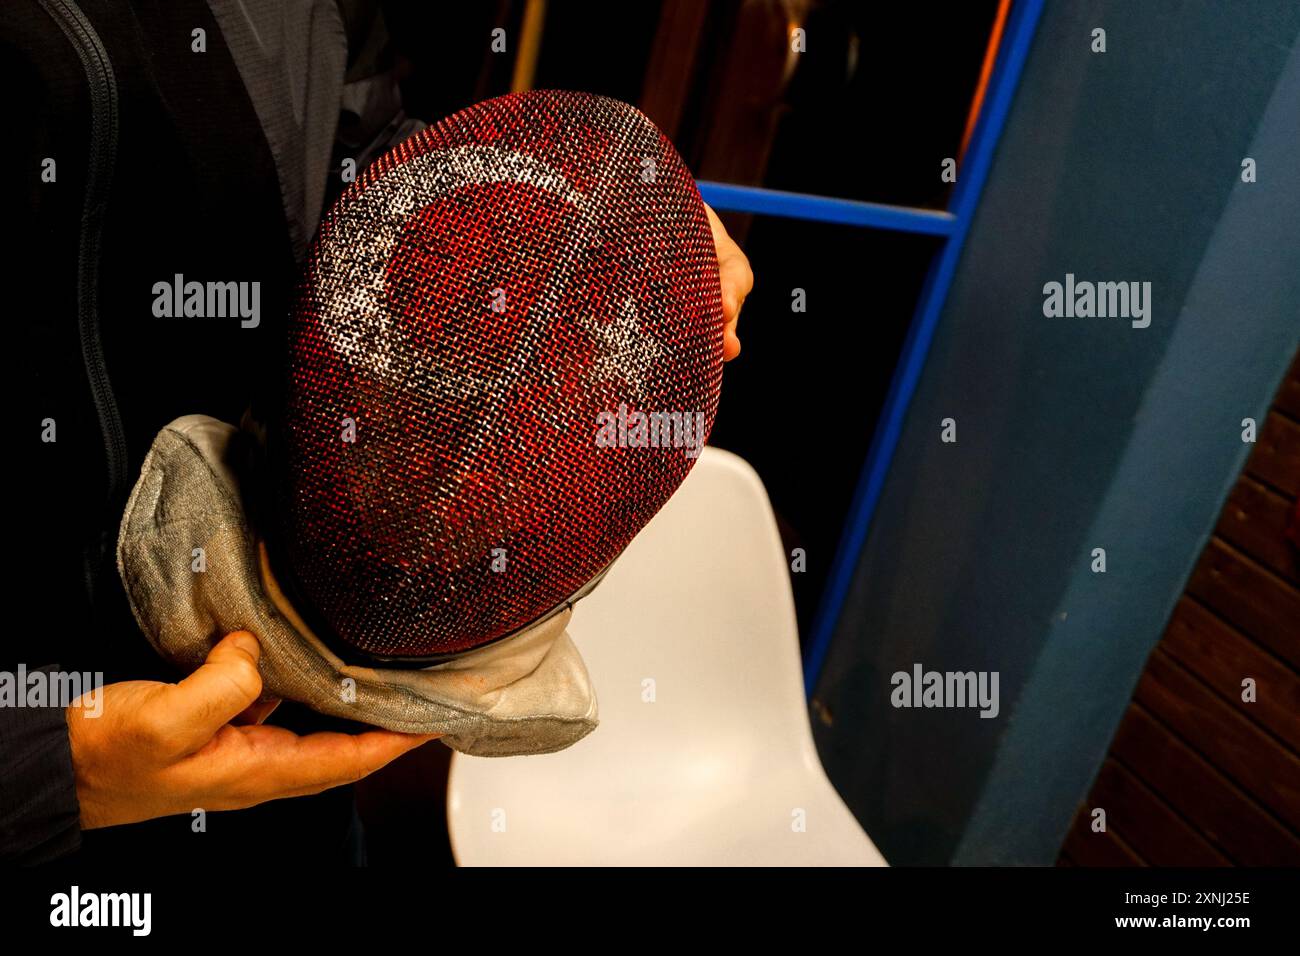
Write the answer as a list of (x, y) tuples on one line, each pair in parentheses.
[(247, 643)]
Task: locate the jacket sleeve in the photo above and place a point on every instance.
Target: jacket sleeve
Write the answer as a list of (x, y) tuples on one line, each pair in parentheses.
[(39, 813)]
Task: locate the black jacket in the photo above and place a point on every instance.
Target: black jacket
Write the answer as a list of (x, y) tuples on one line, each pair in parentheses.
[(213, 165)]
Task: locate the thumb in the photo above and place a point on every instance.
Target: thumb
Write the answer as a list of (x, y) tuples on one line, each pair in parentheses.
[(226, 684)]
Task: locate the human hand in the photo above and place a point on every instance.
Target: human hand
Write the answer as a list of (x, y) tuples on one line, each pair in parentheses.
[(157, 749), (737, 279)]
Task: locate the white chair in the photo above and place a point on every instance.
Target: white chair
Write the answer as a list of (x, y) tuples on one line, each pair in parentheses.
[(704, 754)]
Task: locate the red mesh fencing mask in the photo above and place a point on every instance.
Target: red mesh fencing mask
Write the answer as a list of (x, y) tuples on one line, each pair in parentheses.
[(505, 357)]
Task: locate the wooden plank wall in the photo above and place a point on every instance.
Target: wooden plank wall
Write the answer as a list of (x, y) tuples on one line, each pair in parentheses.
[(1195, 775)]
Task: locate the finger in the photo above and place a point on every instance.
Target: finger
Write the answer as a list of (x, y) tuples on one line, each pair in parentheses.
[(251, 765), (213, 695), (730, 344), (244, 766), (735, 270), (734, 274), (737, 281), (324, 760), (730, 307), (715, 224)]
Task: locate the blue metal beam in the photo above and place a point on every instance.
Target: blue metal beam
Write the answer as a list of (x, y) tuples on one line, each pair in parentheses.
[(970, 183), (725, 197)]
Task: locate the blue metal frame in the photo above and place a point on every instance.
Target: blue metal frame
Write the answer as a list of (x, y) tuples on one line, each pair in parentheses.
[(846, 212), (953, 227)]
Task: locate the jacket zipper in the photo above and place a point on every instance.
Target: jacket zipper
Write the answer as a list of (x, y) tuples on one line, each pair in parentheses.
[(103, 153)]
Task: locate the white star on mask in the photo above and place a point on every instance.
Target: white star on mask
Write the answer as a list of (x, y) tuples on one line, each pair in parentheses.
[(623, 350)]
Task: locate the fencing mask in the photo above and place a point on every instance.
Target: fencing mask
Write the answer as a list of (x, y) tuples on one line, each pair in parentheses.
[(505, 356)]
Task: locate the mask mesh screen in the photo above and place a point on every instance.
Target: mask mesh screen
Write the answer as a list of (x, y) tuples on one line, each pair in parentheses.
[(505, 354)]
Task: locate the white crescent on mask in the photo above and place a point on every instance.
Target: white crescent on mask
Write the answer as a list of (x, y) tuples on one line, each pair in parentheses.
[(352, 262), (351, 273)]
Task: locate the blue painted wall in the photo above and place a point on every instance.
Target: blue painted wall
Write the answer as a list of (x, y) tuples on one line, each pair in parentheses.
[(1073, 433)]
